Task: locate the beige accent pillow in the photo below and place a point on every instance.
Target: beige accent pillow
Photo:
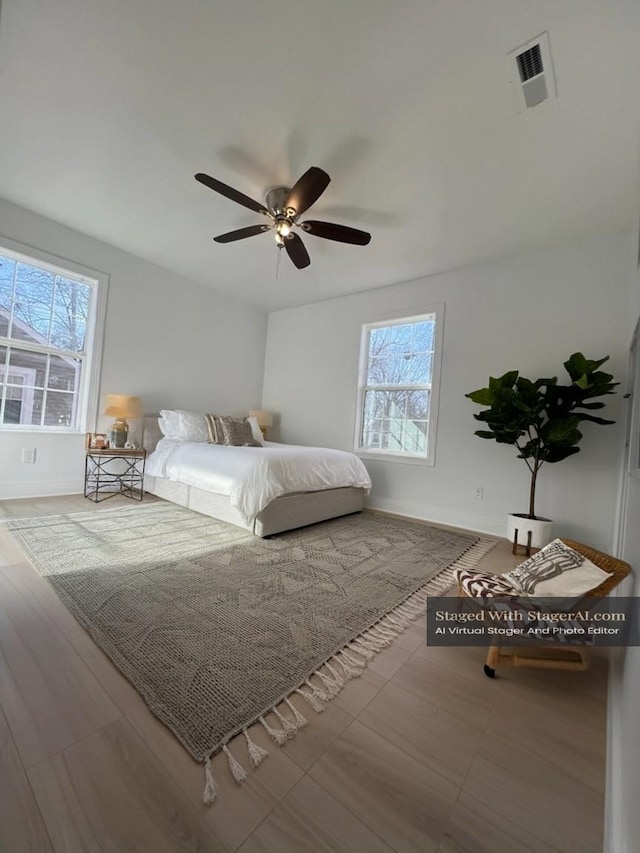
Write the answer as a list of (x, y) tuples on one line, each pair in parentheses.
[(235, 432), (556, 570), (214, 429)]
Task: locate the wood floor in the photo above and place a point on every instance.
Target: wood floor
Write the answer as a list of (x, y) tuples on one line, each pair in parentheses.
[(423, 753)]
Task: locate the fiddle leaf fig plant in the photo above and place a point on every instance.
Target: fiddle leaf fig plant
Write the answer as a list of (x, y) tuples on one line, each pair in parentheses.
[(541, 418)]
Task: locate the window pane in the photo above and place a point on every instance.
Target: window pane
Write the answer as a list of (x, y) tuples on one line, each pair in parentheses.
[(7, 268), (400, 357), (418, 405), (401, 338), (69, 318), (59, 410), (26, 368), (376, 371), (423, 336), (396, 420), (64, 373), (22, 406), (420, 368), (415, 436), (379, 340), (32, 304)]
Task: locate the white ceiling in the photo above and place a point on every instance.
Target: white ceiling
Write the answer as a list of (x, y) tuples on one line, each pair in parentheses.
[(109, 107)]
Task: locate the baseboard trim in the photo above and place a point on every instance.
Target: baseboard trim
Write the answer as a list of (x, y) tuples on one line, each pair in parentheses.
[(437, 515), (40, 489)]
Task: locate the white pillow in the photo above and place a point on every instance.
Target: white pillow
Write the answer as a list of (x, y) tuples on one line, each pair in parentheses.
[(181, 425), (256, 431), (168, 423), (556, 570)]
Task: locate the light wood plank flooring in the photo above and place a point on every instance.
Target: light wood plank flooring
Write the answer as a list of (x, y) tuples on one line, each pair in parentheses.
[(423, 753)]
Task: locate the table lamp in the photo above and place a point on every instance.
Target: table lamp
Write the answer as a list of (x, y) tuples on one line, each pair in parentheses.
[(121, 407)]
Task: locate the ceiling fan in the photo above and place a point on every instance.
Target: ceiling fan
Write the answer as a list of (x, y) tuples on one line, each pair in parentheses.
[(283, 207)]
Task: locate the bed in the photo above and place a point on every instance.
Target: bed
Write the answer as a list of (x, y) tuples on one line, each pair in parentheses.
[(266, 490)]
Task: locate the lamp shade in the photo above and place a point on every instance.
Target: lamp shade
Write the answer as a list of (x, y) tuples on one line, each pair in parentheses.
[(123, 406), (264, 419)]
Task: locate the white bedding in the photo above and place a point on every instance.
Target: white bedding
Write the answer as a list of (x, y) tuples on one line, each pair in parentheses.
[(252, 477)]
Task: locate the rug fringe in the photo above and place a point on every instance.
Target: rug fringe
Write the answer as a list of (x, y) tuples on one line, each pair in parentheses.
[(288, 727), (298, 718), (210, 788), (317, 704), (256, 753), (237, 770), (346, 664), (277, 735)]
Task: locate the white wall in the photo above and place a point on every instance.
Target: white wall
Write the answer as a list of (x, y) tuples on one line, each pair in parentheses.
[(168, 340), (528, 313)]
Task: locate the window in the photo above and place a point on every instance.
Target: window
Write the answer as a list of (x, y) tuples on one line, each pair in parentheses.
[(47, 337), (397, 395)]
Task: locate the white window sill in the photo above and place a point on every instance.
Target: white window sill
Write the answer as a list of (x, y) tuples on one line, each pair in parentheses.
[(395, 457), (38, 430)]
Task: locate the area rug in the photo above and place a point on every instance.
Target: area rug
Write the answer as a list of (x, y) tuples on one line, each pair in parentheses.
[(218, 629)]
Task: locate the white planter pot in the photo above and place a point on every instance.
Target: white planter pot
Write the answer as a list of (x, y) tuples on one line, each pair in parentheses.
[(519, 525)]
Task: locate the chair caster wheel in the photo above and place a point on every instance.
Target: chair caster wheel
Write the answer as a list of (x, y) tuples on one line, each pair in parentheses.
[(489, 671)]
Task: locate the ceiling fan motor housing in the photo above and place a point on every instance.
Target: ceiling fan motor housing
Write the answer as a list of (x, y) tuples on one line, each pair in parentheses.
[(276, 198)]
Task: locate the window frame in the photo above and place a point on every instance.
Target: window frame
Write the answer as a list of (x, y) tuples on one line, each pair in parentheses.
[(87, 395), (392, 319)]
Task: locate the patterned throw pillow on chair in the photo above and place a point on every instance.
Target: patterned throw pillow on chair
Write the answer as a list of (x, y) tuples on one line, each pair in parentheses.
[(483, 585), (556, 570)]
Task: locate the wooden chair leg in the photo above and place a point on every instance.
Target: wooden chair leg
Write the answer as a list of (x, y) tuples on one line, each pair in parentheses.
[(491, 661), (573, 658)]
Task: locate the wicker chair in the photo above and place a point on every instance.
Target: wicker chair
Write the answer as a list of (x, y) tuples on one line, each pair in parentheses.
[(547, 657)]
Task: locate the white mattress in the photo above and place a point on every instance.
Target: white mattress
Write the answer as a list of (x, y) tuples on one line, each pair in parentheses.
[(252, 477)]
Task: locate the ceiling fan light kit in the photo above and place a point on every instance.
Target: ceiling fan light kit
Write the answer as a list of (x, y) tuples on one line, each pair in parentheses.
[(283, 207)]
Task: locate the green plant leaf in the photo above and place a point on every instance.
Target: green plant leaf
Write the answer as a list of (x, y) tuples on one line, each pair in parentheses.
[(561, 431), (594, 420), (577, 365), (507, 380), (483, 396), (557, 454)]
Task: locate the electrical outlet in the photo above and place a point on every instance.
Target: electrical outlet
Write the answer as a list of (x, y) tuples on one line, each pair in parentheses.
[(479, 493), (29, 455)]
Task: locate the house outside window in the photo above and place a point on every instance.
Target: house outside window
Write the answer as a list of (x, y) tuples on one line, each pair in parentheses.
[(398, 387), (50, 337)]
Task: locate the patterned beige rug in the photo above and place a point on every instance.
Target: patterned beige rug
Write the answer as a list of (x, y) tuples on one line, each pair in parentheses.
[(217, 628)]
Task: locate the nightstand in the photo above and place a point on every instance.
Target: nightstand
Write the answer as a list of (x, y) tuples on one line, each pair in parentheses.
[(115, 471)]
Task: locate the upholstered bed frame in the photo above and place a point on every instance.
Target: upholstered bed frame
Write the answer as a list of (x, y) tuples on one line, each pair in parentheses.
[(284, 513)]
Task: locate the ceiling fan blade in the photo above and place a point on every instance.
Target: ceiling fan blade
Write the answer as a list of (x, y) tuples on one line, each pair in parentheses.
[(296, 251), (341, 233), (242, 233), (307, 190), (230, 193)]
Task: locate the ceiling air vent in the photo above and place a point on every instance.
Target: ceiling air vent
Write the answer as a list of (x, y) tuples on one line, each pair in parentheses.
[(532, 71), (529, 63)]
